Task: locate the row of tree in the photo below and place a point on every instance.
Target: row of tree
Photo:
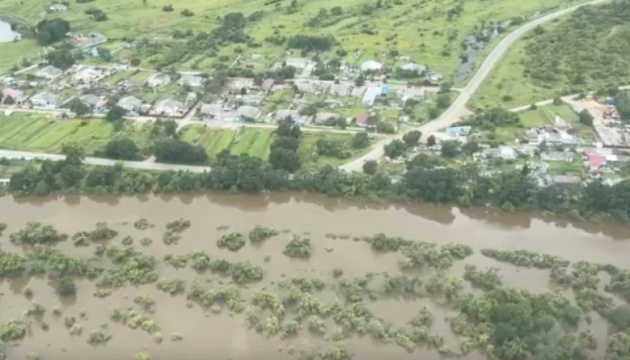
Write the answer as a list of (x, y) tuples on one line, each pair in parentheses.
[(424, 181)]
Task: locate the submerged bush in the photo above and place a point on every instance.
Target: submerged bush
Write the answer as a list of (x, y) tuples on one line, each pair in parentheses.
[(525, 258), (13, 330), (36, 233), (486, 280), (142, 224), (298, 247), (172, 235), (82, 238), (245, 272), (233, 241), (3, 226), (172, 287), (67, 287), (103, 232), (260, 233), (99, 337)]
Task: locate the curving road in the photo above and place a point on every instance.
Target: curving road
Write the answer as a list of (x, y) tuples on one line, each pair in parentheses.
[(140, 165), (458, 107)]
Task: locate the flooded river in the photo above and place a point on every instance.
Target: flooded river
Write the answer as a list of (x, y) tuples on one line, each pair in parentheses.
[(224, 335)]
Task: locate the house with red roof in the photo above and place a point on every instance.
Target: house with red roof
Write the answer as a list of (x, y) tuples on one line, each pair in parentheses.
[(362, 120)]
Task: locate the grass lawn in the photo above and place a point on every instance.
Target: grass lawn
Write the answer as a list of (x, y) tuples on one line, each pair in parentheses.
[(545, 115), (565, 168), (312, 161), (13, 52), (41, 133), (255, 142)]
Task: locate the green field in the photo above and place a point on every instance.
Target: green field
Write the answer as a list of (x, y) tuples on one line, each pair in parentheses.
[(423, 30), (11, 54), (254, 142), (545, 115), (41, 133), (594, 53), (308, 151)]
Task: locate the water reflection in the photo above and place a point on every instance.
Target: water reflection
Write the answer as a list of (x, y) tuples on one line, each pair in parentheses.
[(440, 214)]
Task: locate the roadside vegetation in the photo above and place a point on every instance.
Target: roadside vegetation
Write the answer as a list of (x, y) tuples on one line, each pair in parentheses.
[(588, 50)]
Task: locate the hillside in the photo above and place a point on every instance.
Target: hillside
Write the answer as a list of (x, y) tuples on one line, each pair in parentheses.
[(588, 50), (190, 34)]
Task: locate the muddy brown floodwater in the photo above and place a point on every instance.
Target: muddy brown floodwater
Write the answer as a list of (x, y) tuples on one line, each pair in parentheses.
[(222, 336)]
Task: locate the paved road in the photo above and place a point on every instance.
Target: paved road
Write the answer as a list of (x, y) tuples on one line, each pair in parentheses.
[(457, 108), (102, 162)]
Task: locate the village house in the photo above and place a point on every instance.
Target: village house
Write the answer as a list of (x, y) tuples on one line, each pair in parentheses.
[(44, 99), (251, 99), (371, 93), (458, 131), (557, 156), (502, 152), (282, 115), (57, 7), (92, 39), (564, 179), (190, 80), (49, 72), (267, 85), (315, 87), (371, 66), (358, 91), (16, 95), (340, 89), (420, 69), (248, 113), (322, 118), (434, 78), (130, 104), (93, 101), (88, 75), (211, 111), (240, 83), (169, 107), (157, 79), (304, 67), (362, 120)]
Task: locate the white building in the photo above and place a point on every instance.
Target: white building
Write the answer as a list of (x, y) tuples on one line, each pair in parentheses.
[(130, 103), (371, 94), (49, 72), (157, 79), (44, 99), (371, 65), (88, 75), (169, 107), (190, 80)]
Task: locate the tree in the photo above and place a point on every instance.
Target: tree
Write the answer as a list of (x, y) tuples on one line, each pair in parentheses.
[(74, 153), (470, 147), (122, 149), (79, 107), (104, 54), (412, 138), (557, 101), (622, 103), (115, 113), (396, 148), (450, 148), (67, 287), (360, 140), (50, 31), (135, 62), (62, 58), (284, 159), (431, 140), (285, 142), (370, 167), (180, 152), (360, 81), (443, 101), (170, 128), (586, 118)]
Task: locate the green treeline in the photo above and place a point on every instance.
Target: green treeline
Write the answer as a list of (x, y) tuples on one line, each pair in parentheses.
[(588, 50), (424, 182)]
